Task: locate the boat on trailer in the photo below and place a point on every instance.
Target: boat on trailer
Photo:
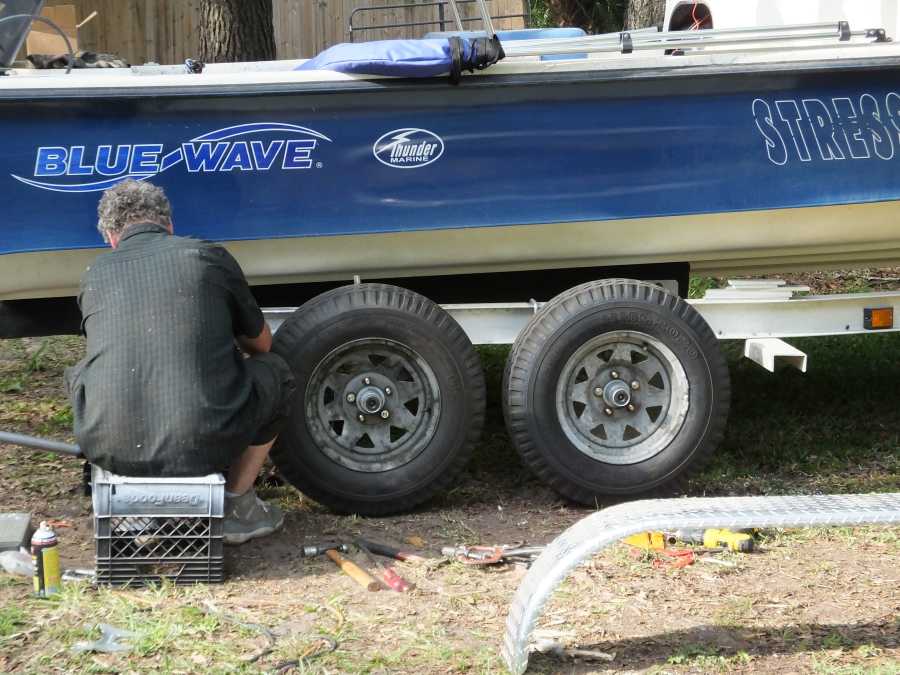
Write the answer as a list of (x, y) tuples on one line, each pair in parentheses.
[(576, 159)]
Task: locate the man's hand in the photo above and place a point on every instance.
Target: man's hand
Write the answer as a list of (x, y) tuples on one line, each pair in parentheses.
[(261, 344)]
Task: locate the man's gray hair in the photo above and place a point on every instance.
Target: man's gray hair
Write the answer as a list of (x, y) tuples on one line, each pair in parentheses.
[(131, 202)]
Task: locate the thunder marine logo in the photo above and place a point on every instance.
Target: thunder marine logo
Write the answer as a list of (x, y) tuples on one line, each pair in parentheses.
[(408, 148), (219, 151)]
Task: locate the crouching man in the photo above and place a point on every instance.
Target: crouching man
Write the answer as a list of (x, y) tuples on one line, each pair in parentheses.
[(164, 389)]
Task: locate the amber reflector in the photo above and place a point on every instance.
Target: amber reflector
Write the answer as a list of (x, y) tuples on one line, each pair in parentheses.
[(878, 319)]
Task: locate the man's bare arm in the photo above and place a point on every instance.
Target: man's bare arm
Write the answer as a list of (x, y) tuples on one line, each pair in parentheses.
[(261, 344)]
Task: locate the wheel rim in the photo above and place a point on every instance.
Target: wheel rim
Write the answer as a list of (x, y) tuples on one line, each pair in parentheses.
[(372, 405), (622, 397)]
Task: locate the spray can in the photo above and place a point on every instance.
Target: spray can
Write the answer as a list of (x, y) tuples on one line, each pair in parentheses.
[(45, 555)]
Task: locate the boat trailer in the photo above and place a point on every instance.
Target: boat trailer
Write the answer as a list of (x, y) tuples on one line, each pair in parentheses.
[(599, 530)]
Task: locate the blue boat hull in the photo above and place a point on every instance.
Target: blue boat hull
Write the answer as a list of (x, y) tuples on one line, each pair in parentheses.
[(574, 169)]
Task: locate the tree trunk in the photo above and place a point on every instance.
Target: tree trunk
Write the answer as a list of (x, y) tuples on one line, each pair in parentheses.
[(236, 30), (594, 16), (644, 13)]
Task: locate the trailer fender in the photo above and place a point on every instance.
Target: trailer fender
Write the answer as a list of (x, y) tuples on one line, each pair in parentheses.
[(601, 529)]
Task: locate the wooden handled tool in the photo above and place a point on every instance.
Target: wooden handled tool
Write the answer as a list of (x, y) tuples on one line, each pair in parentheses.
[(390, 576), (353, 571)]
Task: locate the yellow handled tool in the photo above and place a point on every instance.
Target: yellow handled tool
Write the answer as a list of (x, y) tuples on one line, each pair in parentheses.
[(655, 541), (353, 571), (739, 542)]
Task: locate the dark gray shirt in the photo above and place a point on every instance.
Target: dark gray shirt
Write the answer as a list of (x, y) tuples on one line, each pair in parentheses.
[(163, 390)]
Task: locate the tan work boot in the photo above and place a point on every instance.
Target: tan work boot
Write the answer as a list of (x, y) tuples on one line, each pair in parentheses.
[(248, 517)]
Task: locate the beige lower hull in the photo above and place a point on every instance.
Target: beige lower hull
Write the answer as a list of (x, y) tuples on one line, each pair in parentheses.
[(716, 244)]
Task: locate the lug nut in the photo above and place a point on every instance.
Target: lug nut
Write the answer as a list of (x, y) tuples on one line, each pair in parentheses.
[(608, 411), (598, 391), (366, 380), (614, 375), (351, 398), (361, 418), (387, 390), (635, 385), (385, 414), (631, 407)]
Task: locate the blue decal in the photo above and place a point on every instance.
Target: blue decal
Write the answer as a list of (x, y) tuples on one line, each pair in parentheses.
[(51, 162), (214, 151)]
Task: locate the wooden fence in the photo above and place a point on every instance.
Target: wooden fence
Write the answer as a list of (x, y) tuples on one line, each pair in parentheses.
[(165, 31)]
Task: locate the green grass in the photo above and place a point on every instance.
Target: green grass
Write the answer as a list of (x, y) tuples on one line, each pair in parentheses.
[(12, 619), (833, 429)]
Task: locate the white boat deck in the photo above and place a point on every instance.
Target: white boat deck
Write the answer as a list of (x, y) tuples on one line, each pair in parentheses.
[(523, 60)]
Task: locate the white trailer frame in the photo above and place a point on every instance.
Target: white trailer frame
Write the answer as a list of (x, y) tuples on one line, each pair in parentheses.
[(760, 312)]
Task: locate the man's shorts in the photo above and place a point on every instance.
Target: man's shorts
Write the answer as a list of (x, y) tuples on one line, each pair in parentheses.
[(273, 384)]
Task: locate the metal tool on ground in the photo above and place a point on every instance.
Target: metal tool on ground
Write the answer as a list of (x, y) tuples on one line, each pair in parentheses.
[(491, 555), (312, 550), (715, 538), (393, 580), (391, 552), (353, 571)]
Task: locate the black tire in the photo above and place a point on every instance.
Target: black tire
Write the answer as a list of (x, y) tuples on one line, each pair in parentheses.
[(537, 400), (422, 342)]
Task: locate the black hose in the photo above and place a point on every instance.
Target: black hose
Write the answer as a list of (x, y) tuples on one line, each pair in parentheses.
[(53, 25), (40, 443)]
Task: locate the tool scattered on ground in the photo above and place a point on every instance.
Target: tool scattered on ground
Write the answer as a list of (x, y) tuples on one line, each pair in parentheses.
[(491, 555), (391, 552), (45, 556), (352, 570), (738, 542), (109, 641), (674, 558), (650, 541), (393, 580), (312, 550), (79, 574), (719, 538)]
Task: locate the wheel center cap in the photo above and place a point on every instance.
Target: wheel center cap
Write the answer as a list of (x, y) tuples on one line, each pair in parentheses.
[(370, 400), (617, 394)]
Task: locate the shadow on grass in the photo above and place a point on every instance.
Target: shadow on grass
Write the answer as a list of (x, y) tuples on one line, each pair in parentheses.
[(711, 648)]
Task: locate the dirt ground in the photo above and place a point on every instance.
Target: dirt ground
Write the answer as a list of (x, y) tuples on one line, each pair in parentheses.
[(822, 601)]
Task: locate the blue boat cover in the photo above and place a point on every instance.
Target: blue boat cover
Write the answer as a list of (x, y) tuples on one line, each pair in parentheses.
[(409, 58)]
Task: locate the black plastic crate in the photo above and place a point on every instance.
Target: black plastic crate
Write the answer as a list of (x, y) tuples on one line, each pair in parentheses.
[(147, 530)]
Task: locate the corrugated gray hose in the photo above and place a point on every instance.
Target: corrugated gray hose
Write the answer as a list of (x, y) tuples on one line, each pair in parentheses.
[(601, 529)]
